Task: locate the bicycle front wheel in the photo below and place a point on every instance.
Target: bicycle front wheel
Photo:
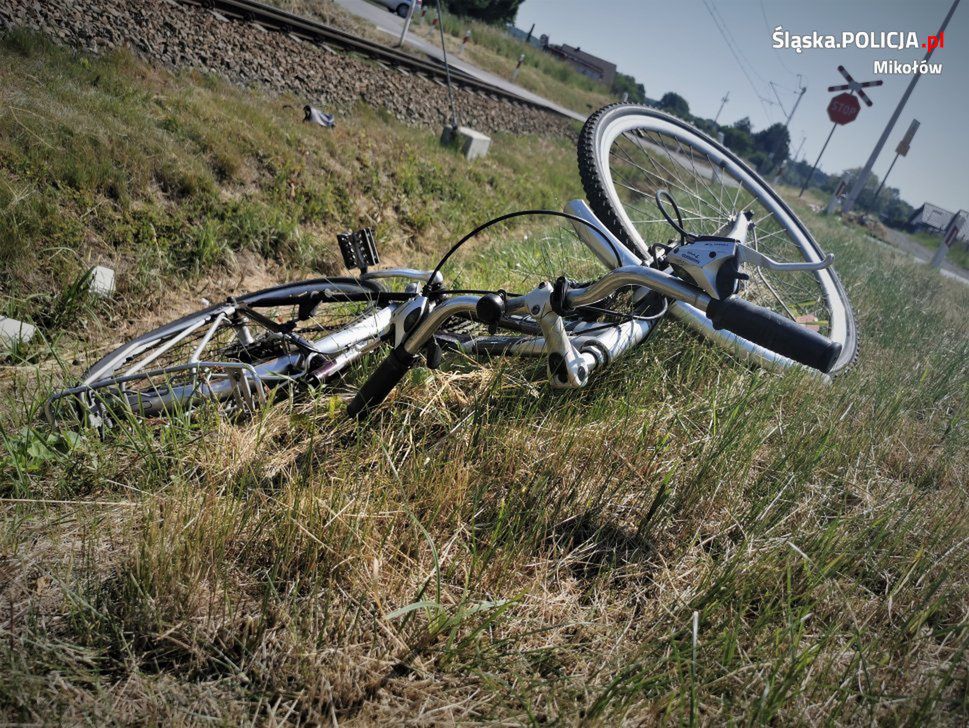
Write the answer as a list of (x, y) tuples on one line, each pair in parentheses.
[(629, 152)]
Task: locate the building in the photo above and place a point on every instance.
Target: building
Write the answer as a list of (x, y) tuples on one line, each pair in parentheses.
[(587, 64), (929, 218), (932, 219)]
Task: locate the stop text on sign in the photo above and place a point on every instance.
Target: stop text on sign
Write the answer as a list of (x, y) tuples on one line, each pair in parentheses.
[(843, 109)]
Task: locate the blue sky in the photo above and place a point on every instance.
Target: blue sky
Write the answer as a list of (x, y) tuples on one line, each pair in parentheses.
[(675, 45)]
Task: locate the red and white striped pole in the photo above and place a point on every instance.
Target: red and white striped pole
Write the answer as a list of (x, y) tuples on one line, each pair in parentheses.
[(518, 66), (951, 233), (464, 41)]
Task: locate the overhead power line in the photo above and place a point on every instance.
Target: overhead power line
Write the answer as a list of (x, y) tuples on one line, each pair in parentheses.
[(779, 57), (725, 34)]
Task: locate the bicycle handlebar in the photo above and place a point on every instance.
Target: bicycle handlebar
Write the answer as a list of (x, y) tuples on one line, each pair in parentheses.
[(754, 323), (775, 332)]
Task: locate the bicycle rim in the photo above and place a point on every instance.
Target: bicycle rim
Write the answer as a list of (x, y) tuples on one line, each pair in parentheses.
[(628, 152)]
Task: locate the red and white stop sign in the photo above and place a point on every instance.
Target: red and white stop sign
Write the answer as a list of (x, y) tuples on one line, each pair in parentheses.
[(843, 109)]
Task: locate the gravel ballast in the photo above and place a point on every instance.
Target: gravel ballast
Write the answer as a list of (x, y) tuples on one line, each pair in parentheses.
[(189, 37)]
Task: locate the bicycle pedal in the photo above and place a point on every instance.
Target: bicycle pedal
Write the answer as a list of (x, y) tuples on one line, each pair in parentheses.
[(433, 354), (359, 249)]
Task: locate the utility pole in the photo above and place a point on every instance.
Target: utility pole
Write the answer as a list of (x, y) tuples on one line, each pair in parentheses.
[(900, 151), (863, 175), (410, 14), (723, 102), (787, 124), (791, 115)]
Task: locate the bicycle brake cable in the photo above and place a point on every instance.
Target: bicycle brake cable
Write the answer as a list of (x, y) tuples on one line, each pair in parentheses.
[(678, 225), (428, 286)]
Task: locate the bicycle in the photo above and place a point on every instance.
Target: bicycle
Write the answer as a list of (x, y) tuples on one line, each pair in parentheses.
[(792, 311)]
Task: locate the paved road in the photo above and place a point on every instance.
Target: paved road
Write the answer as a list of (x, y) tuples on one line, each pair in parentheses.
[(392, 25), (903, 243)]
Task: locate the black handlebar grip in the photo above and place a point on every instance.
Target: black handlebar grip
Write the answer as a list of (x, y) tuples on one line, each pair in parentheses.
[(775, 332), (378, 386)]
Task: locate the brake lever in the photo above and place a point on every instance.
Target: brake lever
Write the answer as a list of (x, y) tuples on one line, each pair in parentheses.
[(753, 257)]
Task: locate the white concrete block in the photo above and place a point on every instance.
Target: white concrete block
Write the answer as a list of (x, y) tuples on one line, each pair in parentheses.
[(13, 332), (473, 144), (102, 281)]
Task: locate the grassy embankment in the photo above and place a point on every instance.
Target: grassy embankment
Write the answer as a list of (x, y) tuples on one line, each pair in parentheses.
[(495, 51), (687, 539)]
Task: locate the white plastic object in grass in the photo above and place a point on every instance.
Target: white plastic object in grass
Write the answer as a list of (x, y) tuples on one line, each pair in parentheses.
[(14, 332), (102, 281)]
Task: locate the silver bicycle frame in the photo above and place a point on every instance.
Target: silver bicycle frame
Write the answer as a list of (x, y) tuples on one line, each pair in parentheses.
[(582, 353)]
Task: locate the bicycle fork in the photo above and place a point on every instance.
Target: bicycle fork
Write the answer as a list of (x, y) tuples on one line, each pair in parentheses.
[(571, 359)]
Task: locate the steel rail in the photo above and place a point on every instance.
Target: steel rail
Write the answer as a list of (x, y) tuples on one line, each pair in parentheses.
[(316, 32)]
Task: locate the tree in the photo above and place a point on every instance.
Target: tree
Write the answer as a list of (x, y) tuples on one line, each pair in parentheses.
[(738, 140), (625, 83), (490, 11), (896, 212), (774, 143), (675, 104), (743, 124)]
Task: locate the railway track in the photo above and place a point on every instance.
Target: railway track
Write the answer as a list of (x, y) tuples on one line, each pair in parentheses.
[(306, 29)]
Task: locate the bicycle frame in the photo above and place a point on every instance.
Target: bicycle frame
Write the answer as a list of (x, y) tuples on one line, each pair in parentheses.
[(573, 355)]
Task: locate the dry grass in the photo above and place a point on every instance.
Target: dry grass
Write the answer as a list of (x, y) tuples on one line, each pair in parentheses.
[(686, 540)]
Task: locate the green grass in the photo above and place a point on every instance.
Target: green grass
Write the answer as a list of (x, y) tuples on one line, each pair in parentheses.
[(107, 161), (686, 540), (958, 254), (492, 49)]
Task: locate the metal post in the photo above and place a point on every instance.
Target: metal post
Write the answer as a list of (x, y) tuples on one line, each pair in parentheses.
[(836, 195), (791, 115), (464, 42), (863, 176), (787, 125), (410, 14), (881, 184), (447, 68), (949, 239), (723, 102), (808, 180)]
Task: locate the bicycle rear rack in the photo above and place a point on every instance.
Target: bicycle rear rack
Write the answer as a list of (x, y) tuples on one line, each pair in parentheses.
[(244, 385)]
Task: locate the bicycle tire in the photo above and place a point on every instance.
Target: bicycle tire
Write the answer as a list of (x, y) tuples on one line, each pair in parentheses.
[(606, 125)]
